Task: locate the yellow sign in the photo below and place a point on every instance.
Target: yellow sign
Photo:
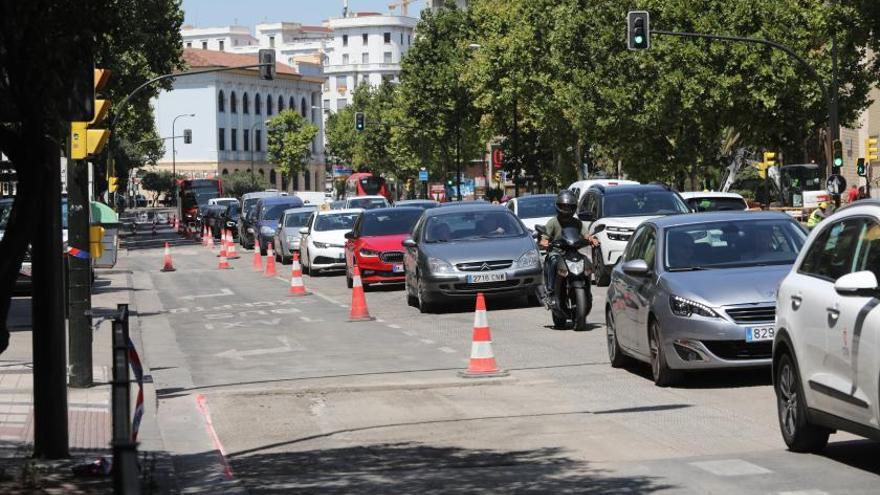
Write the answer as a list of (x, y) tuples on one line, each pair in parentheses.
[(96, 234)]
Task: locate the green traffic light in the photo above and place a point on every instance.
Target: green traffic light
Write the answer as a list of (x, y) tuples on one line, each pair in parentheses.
[(640, 40), (838, 162)]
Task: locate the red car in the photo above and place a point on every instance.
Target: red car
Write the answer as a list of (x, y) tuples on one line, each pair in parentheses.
[(374, 244)]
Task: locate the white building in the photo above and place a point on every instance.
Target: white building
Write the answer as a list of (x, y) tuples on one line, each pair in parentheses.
[(227, 38), (366, 48), (228, 129)]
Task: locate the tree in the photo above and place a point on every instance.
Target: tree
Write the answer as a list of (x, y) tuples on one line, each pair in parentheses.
[(158, 183), (341, 135), (290, 138), (241, 182)]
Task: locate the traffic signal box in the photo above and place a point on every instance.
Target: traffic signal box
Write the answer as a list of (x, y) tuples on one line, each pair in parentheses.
[(769, 161), (837, 154), (85, 141), (872, 154), (96, 249), (638, 30), (359, 121)]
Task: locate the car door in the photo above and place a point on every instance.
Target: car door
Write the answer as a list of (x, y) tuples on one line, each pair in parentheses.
[(643, 291), (622, 288), (816, 312), (351, 244), (411, 254), (304, 239)]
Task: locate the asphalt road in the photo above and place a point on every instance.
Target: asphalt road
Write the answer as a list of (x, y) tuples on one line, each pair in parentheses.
[(298, 400)]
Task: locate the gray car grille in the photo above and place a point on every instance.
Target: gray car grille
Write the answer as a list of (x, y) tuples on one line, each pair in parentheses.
[(757, 314), (391, 257), (481, 266)]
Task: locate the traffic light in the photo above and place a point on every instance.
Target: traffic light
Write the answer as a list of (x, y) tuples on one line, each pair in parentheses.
[(861, 169), (638, 30), (837, 154), (769, 161), (359, 121), (872, 150), (96, 234), (112, 184), (187, 136), (267, 59), (84, 141)]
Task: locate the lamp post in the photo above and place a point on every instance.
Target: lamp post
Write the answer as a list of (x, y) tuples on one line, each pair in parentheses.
[(174, 152)]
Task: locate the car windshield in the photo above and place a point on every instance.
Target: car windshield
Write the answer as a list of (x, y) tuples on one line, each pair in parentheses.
[(249, 205), (232, 209), (274, 212), (367, 203), (336, 221), (541, 207), (389, 222), (425, 205), (298, 219), (717, 204), (642, 203), (736, 243), (472, 225)]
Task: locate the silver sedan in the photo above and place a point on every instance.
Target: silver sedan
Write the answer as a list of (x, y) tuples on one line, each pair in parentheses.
[(287, 236)]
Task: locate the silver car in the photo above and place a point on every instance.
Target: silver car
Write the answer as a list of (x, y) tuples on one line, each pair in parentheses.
[(458, 252), (698, 291), (287, 236)]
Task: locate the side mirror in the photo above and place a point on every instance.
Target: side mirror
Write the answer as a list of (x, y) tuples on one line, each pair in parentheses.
[(857, 284), (409, 243), (350, 235), (636, 268), (304, 231)]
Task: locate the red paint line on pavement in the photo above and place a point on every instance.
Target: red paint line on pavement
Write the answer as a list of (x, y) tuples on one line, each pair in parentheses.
[(209, 426)]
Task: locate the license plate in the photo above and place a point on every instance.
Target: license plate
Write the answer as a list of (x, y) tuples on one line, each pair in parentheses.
[(397, 268), (483, 278), (760, 334)]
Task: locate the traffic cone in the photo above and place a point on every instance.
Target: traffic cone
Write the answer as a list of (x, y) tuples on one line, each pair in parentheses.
[(359, 311), (482, 363), (258, 260), (297, 287), (210, 238), (270, 262), (223, 251), (231, 252), (169, 266), (224, 263), (204, 236)]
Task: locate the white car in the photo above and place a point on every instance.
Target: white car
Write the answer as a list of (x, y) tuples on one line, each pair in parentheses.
[(581, 187), (366, 202), (322, 246), (223, 201), (702, 201), (536, 209), (826, 349)]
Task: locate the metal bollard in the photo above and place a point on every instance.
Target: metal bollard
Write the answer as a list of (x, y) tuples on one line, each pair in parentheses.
[(126, 478)]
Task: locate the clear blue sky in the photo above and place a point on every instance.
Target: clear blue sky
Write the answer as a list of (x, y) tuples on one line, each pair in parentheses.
[(208, 13)]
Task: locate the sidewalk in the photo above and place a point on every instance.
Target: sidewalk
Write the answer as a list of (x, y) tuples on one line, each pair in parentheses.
[(89, 414)]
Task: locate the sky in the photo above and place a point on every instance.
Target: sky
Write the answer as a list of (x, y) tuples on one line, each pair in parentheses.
[(211, 13)]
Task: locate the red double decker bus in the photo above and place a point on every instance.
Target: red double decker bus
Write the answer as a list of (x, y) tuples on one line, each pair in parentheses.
[(193, 194), (366, 184)]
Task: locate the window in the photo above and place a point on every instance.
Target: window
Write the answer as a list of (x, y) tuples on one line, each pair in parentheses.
[(408, 39), (646, 248), (258, 140), (308, 180), (387, 38), (246, 139), (257, 108), (365, 58), (387, 78), (341, 103), (189, 44), (220, 43), (296, 182), (326, 105), (326, 86), (234, 141), (272, 177), (344, 59), (268, 105), (365, 79), (292, 104), (221, 102), (245, 104), (387, 56), (401, 38), (204, 45), (832, 253), (317, 183), (344, 40), (221, 139), (868, 251), (271, 42), (225, 171), (365, 38), (280, 103), (303, 109), (233, 102)]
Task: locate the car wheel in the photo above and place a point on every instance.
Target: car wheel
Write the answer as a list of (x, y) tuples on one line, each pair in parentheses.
[(306, 269), (348, 280), (532, 299), (798, 433), (581, 309), (615, 353), (411, 300), (424, 305), (663, 375), (603, 273)]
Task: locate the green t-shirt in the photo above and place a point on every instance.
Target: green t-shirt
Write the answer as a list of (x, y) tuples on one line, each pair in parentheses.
[(555, 227)]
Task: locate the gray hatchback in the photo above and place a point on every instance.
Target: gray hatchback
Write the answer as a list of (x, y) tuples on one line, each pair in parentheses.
[(476, 247), (699, 291)]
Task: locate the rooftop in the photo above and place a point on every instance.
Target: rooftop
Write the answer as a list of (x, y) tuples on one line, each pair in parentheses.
[(197, 58)]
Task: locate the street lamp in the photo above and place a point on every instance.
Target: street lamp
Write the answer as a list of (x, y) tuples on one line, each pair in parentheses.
[(174, 152)]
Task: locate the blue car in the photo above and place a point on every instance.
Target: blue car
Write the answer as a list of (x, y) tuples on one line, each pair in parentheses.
[(267, 214)]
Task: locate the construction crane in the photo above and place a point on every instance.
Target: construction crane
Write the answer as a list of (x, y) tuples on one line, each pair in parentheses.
[(404, 6)]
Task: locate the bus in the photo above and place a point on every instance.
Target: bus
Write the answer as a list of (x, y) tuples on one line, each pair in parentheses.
[(193, 194), (366, 184)]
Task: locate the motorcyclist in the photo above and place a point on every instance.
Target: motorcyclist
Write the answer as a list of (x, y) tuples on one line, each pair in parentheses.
[(566, 205)]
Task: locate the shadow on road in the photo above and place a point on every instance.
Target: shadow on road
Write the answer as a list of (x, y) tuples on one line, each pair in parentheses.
[(426, 470), (711, 379), (860, 454)]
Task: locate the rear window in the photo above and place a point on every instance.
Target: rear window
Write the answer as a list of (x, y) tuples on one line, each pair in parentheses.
[(643, 203), (472, 225), (297, 219), (337, 221), (717, 204), (367, 203), (274, 212), (389, 223), (537, 207)]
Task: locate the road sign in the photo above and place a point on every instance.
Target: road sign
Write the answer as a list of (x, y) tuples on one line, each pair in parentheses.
[(497, 157), (423, 175), (835, 185)]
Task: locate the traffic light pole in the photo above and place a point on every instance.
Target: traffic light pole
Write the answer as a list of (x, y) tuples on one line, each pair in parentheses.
[(79, 276)]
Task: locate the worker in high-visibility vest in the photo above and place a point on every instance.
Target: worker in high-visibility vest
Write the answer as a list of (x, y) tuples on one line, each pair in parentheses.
[(818, 215)]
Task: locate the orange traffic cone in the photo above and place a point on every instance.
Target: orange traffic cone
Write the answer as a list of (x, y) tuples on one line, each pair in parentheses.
[(231, 253), (270, 262), (210, 239), (359, 311), (169, 266), (224, 263), (223, 251), (258, 260), (482, 363), (204, 236), (297, 287)]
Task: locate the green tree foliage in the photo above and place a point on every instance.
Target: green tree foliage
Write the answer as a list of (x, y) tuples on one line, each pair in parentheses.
[(341, 136), (241, 182), (290, 138), (158, 183)]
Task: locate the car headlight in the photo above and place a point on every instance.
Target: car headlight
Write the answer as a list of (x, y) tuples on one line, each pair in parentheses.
[(439, 266), (320, 245), (530, 259), (369, 253), (230, 224), (619, 233), (685, 307), (575, 267), (267, 231)]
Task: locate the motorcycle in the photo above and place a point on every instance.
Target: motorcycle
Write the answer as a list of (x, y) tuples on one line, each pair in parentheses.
[(571, 300)]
